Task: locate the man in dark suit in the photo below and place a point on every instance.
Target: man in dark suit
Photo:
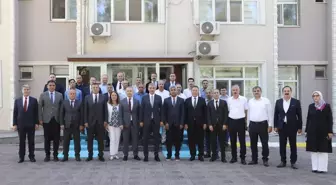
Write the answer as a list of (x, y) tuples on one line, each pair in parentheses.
[(173, 118), (195, 123), (217, 121), (81, 86), (129, 113), (288, 122), (151, 120), (25, 121), (171, 82), (71, 122), (50, 104), (118, 86), (59, 87), (95, 119), (153, 81), (93, 80)]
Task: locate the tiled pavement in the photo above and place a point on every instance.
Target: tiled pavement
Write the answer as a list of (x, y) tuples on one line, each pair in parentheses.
[(153, 173)]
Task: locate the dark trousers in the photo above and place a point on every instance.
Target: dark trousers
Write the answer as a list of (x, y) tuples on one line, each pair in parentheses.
[(107, 139), (72, 131), (237, 127), (23, 134), (207, 141), (148, 128), (140, 133), (259, 129), (218, 134), (173, 139), (290, 133), (51, 133), (130, 132), (196, 137), (96, 130)]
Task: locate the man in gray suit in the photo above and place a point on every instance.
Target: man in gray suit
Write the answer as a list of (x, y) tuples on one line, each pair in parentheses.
[(129, 113), (150, 117), (95, 119), (71, 123), (50, 104)]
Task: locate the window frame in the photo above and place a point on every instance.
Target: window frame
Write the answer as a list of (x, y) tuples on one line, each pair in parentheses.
[(160, 15), (297, 81), (297, 3), (29, 69), (320, 68), (228, 13), (66, 19)]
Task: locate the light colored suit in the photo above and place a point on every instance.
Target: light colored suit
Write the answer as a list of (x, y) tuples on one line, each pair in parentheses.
[(49, 109)]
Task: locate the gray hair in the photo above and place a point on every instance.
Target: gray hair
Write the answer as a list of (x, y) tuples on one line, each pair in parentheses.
[(208, 90), (172, 87), (25, 86), (235, 86), (161, 81)]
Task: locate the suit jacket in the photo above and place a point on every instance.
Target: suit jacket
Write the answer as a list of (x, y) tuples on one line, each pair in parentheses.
[(173, 115), (106, 96), (198, 114), (157, 86), (59, 88), (147, 110), (125, 113), (72, 115), (85, 90), (24, 119), (95, 112), (294, 114), (114, 84), (167, 85), (48, 109), (219, 116)]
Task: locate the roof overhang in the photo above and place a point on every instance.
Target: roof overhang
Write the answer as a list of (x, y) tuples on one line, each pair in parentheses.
[(130, 58)]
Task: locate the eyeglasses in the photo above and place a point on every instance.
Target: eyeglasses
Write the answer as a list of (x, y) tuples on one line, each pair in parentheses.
[(316, 95)]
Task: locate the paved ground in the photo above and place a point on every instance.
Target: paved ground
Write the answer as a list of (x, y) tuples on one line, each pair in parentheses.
[(153, 173)]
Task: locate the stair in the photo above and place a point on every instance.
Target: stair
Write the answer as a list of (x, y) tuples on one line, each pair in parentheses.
[(184, 152)]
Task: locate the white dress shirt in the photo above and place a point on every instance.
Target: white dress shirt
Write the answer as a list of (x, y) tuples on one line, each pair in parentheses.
[(187, 93), (237, 107), (94, 97), (260, 110), (286, 104), (216, 102), (164, 94), (135, 89), (182, 96), (118, 86), (23, 101), (122, 94), (193, 99)]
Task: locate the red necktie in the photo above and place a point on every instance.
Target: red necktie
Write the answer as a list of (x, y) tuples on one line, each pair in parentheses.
[(25, 104)]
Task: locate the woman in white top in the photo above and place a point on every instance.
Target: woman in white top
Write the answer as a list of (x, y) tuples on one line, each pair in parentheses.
[(115, 126)]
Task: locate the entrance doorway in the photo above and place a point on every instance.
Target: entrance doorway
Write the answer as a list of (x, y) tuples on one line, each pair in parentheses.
[(178, 69)]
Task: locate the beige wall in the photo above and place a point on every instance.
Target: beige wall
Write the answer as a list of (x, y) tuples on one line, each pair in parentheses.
[(39, 38)]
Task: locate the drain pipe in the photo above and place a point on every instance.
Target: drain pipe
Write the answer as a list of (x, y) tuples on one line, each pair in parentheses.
[(333, 62), (166, 28)]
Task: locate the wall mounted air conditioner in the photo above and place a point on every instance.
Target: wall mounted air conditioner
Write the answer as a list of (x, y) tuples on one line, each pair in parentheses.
[(209, 28), (207, 48), (100, 29)]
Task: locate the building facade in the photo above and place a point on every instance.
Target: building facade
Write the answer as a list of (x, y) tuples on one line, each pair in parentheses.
[(270, 43)]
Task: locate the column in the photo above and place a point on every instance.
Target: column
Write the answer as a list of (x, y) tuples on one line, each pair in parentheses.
[(333, 57), (275, 50)]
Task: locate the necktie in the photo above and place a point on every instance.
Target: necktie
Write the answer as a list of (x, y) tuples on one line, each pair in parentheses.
[(72, 104), (152, 100), (119, 85), (52, 97), (194, 102), (129, 105), (216, 104), (174, 103), (25, 104), (96, 98)]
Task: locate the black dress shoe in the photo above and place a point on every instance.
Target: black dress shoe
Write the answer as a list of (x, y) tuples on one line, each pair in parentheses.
[(146, 159), (281, 165), (157, 159), (136, 158), (321, 172), (56, 159), (252, 163), (266, 163), (293, 166), (21, 161), (233, 161), (32, 160), (192, 158), (224, 160), (243, 162), (177, 158), (102, 159), (89, 159), (46, 159), (78, 158), (64, 159), (315, 171), (212, 159), (125, 158), (201, 158), (207, 156)]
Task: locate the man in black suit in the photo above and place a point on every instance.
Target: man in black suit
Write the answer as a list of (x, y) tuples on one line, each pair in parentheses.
[(59, 87), (151, 120), (71, 123), (118, 86), (25, 121), (217, 121), (153, 81), (93, 80), (95, 119), (81, 86), (195, 123), (288, 122), (171, 82), (173, 117)]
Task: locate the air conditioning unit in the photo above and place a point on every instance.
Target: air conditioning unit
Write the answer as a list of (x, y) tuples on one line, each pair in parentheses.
[(209, 28), (100, 29), (207, 48)]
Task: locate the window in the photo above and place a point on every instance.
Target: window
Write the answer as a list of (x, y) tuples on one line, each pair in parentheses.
[(288, 12), (230, 11), (288, 76), (26, 73), (320, 1), (63, 10), (127, 10), (87, 72), (225, 77), (320, 72)]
